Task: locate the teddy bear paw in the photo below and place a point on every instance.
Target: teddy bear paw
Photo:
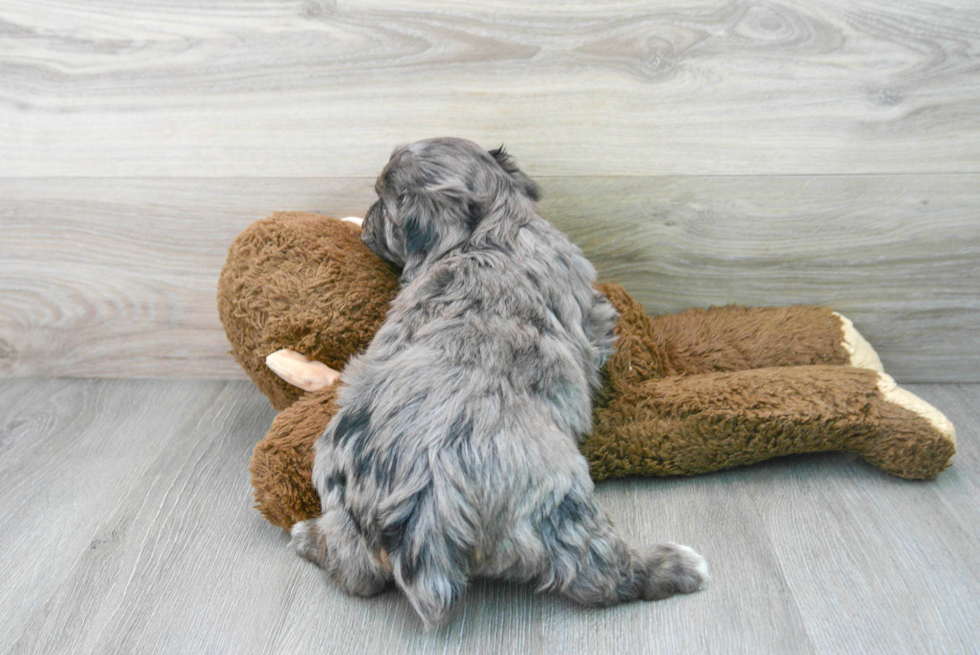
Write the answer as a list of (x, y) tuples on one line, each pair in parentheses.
[(861, 352)]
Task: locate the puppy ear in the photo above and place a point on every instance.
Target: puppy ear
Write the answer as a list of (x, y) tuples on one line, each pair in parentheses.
[(420, 227), (433, 223), (506, 162)]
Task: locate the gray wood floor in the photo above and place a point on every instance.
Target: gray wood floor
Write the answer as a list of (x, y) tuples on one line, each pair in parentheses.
[(128, 528)]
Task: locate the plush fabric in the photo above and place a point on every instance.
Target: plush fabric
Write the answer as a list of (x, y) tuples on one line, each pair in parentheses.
[(304, 282), (684, 394)]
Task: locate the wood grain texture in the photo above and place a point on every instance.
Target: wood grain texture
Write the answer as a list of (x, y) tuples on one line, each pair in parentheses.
[(71, 452), (307, 88), (132, 531), (175, 536), (117, 278), (715, 516), (898, 255), (850, 599)]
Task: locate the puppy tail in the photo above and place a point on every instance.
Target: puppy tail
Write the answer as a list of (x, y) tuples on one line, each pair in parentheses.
[(432, 591), (429, 555)]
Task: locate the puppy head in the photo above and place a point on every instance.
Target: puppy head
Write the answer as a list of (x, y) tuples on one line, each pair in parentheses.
[(434, 194)]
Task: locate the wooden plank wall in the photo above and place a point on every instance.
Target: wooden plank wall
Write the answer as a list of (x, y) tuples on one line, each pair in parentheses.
[(700, 151)]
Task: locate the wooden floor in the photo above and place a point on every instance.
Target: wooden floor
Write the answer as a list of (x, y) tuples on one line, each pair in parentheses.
[(128, 528)]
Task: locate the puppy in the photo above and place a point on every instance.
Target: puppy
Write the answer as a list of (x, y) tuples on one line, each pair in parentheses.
[(453, 452)]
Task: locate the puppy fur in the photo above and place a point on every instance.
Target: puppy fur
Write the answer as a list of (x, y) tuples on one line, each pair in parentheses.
[(454, 450)]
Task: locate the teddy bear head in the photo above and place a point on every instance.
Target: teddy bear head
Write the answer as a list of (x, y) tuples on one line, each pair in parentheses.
[(268, 267)]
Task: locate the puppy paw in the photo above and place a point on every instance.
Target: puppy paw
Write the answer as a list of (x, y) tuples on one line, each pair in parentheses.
[(306, 542), (673, 569), (861, 352)]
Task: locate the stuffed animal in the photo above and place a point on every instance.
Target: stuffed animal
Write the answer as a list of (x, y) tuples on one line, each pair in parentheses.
[(684, 394)]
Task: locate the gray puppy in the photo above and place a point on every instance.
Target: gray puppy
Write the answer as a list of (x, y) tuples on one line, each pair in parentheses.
[(454, 449)]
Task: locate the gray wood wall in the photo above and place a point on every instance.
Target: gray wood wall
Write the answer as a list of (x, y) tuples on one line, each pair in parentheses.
[(701, 152)]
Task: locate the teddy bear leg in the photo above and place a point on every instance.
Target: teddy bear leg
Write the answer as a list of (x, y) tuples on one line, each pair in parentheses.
[(700, 423), (282, 462), (734, 338), (916, 440), (728, 338)]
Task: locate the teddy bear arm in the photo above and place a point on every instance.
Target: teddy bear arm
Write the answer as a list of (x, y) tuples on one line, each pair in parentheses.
[(297, 370), (735, 338), (701, 423)]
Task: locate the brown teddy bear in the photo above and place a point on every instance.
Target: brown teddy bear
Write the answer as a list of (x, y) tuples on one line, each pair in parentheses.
[(684, 394)]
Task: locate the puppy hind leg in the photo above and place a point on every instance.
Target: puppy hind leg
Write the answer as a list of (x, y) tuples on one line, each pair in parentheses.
[(331, 542), (591, 564), (671, 569), (651, 573)]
